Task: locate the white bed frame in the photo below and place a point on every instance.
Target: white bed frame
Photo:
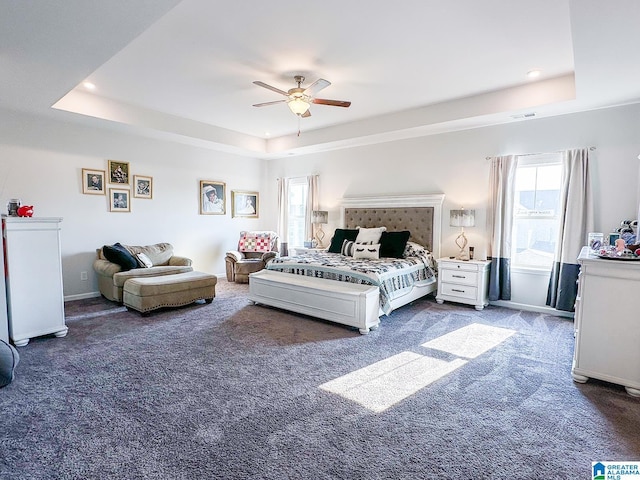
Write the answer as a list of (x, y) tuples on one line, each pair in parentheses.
[(346, 303)]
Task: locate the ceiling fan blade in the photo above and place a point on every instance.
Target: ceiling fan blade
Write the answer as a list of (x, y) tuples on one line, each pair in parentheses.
[(269, 87), (268, 103), (334, 103), (316, 86), (306, 114)]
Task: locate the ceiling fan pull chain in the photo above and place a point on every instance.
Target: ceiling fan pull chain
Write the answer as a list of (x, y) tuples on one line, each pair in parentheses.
[(298, 125)]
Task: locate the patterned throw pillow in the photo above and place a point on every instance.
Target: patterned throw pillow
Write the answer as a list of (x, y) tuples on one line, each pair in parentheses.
[(366, 251), (347, 248), (369, 236), (414, 250), (255, 242)]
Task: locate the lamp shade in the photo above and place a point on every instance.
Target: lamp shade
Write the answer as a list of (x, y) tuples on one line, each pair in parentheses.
[(320, 216), (462, 218), (298, 105)]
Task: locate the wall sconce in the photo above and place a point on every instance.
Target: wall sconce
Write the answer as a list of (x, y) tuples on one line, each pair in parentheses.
[(320, 217), (462, 218)]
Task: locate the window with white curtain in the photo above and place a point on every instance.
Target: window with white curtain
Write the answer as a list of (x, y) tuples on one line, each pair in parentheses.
[(536, 217), (296, 205)]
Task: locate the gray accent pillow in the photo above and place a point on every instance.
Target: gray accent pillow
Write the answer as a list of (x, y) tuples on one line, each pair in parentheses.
[(9, 359)]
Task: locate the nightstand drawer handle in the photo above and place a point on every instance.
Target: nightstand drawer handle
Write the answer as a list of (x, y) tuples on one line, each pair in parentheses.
[(458, 276), (455, 290)]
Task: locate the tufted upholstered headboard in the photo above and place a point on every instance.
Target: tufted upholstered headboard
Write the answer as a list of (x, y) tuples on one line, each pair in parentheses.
[(420, 214), (418, 220)]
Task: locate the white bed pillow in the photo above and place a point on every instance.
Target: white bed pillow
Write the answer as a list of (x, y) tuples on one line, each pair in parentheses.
[(366, 251), (369, 236), (143, 260)]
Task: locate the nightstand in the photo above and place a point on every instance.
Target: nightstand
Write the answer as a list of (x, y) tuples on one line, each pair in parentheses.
[(463, 281)]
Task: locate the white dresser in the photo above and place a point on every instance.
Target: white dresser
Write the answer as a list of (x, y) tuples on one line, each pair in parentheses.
[(463, 281), (4, 322), (35, 300), (607, 326)]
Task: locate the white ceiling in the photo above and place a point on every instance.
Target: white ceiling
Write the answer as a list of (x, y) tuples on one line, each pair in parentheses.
[(184, 69)]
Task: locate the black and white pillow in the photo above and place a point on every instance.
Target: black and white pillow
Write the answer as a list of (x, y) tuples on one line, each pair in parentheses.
[(347, 248), (366, 251)]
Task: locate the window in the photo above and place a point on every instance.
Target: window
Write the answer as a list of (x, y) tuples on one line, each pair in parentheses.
[(536, 219), (297, 206)]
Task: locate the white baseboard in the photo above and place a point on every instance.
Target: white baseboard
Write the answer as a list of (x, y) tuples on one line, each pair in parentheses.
[(81, 296), (531, 308)]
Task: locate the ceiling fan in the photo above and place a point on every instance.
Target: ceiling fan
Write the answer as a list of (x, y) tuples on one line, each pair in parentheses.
[(300, 99)]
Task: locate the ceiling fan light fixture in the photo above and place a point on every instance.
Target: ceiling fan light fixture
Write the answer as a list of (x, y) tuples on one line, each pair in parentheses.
[(298, 105)]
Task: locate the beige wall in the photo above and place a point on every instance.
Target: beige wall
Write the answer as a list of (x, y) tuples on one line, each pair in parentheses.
[(455, 164), (41, 162)]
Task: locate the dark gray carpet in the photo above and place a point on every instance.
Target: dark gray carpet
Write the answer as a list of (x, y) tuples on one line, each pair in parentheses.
[(230, 391)]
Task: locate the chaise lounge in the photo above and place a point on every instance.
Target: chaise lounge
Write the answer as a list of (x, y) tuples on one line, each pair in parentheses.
[(118, 263)]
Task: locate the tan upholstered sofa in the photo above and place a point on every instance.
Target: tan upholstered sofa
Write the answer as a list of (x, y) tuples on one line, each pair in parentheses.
[(111, 275), (255, 250)]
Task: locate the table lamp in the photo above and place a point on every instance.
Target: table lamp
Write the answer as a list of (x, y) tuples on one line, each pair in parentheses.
[(462, 218), (319, 217)]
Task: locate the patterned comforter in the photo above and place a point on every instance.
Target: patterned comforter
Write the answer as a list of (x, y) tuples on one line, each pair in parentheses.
[(393, 276)]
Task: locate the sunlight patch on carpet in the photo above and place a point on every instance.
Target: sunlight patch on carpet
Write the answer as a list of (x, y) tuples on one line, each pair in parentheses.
[(385, 383), (470, 341)]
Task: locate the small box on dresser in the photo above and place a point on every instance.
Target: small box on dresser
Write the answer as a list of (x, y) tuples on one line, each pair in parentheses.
[(464, 281)]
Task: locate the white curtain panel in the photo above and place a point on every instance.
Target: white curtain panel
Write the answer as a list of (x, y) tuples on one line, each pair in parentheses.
[(500, 224), (312, 204), (576, 221), (283, 215)]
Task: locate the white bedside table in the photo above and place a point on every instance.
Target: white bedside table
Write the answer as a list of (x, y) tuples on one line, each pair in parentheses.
[(463, 281)]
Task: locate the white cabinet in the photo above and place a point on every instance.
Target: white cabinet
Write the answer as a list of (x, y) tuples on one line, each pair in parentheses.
[(4, 322), (607, 328), (35, 301), (463, 281)]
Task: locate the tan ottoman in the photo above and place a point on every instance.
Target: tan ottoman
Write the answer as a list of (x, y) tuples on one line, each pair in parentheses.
[(149, 293)]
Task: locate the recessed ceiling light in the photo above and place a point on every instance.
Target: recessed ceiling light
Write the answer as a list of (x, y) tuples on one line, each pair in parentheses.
[(89, 86), (533, 73)]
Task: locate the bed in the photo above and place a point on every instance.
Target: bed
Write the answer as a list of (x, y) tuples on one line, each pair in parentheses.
[(321, 285)]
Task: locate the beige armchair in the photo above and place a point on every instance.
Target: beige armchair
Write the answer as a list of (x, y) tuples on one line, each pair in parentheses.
[(255, 250)]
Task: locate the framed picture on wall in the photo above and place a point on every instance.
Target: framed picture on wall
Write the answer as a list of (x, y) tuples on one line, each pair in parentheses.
[(212, 197), (142, 186), (118, 172), (93, 182), (245, 204), (119, 200)]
